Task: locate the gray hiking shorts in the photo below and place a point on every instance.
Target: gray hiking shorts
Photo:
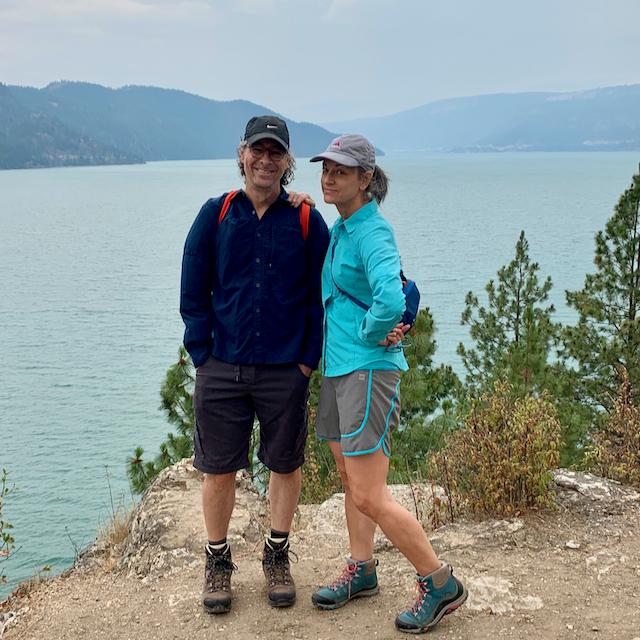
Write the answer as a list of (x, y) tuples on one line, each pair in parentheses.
[(359, 410)]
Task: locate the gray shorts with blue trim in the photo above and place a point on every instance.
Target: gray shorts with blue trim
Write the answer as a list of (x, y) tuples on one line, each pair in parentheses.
[(359, 410)]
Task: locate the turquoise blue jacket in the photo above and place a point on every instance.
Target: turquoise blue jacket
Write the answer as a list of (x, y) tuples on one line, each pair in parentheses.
[(362, 260)]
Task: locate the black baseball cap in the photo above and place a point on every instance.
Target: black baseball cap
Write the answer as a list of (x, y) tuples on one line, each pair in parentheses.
[(267, 127)]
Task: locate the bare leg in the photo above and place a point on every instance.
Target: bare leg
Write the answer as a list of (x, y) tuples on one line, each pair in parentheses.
[(284, 492), (361, 527), (218, 499), (368, 483)]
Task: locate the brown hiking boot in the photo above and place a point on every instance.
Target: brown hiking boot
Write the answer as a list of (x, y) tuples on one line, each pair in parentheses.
[(216, 594), (281, 590)]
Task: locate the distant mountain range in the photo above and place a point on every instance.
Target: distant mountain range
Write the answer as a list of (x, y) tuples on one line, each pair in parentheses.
[(131, 124), (77, 123), (595, 120)]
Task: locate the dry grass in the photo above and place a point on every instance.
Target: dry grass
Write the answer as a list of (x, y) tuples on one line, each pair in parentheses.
[(113, 533), (25, 587), (115, 530)]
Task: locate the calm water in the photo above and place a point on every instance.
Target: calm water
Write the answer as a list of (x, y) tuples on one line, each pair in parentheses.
[(89, 323)]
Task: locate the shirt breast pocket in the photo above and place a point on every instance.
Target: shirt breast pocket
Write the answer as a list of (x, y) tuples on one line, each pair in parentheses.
[(288, 256)]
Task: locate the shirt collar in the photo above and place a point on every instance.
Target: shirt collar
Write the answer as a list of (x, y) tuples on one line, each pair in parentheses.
[(283, 196), (360, 216)]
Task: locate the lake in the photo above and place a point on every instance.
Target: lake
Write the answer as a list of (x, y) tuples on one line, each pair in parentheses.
[(89, 323)]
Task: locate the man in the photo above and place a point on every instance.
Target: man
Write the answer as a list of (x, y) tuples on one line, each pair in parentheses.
[(251, 305)]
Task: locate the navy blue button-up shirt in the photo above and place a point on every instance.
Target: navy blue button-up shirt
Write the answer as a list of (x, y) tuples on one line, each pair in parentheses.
[(250, 289)]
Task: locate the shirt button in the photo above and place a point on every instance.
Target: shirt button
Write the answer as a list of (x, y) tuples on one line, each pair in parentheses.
[(257, 333), (257, 285), (257, 259), (258, 235), (257, 309)]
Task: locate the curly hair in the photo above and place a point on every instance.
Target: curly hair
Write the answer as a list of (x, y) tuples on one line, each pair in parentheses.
[(287, 177)]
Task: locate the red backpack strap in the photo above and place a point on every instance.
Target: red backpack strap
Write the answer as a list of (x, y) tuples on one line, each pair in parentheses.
[(225, 206), (305, 211)]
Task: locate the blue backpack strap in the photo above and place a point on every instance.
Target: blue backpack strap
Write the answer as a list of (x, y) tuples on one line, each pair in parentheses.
[(352, 298)]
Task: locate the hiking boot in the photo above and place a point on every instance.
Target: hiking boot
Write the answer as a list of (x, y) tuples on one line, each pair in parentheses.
[(281, 590), (357, 580), (437, 594), (216, 594)]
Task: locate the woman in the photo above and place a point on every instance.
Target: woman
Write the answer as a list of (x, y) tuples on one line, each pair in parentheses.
[(359, 402)]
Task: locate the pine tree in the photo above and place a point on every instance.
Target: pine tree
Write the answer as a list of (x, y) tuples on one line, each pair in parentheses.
[(514, 340), (514, 334), (606, 339), (177, 403), (423, 388)]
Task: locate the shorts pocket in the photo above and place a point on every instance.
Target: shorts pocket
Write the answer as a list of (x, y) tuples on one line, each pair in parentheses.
[(354, 398)]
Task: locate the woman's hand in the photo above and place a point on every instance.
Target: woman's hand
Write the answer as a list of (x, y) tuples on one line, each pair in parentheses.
[(395, 336), (296, 199)]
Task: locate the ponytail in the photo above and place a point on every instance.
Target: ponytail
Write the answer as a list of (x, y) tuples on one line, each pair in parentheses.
[(379, 185)]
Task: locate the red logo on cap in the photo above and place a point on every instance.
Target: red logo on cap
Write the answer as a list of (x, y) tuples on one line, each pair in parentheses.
[(335, 144)]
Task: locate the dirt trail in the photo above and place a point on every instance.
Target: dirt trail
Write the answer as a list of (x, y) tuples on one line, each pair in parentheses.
[(565, 574)]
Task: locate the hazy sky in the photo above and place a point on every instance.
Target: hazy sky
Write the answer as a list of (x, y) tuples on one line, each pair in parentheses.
[(324, 60)]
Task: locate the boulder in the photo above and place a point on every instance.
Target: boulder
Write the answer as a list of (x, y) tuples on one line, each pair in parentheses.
[(167, 530)]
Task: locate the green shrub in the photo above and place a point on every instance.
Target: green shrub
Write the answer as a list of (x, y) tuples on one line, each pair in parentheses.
[(500, 460), (615, 452)]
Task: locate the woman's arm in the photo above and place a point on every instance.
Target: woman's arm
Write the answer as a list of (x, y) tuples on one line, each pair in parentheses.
[(379, 255)]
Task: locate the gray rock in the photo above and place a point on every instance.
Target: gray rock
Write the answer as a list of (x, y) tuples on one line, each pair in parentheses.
[(6, 619), (584, 492), (167, 529), (497, 594)]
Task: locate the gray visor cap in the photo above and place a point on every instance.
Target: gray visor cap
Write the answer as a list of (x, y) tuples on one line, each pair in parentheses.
[(351, 151)]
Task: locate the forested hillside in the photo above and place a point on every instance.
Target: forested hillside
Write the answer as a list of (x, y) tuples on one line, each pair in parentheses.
[(37, 139), (159, 124)]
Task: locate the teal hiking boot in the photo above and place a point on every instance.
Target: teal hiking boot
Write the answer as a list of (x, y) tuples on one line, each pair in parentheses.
[(436, 595), (357, 580)]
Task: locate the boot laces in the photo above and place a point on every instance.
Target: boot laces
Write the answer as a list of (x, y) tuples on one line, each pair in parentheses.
[(277, 564), (346, 577), (218, 572), (421, 591)]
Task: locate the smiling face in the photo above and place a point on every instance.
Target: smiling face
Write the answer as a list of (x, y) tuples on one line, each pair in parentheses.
[(344, 186), (263, 173)]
